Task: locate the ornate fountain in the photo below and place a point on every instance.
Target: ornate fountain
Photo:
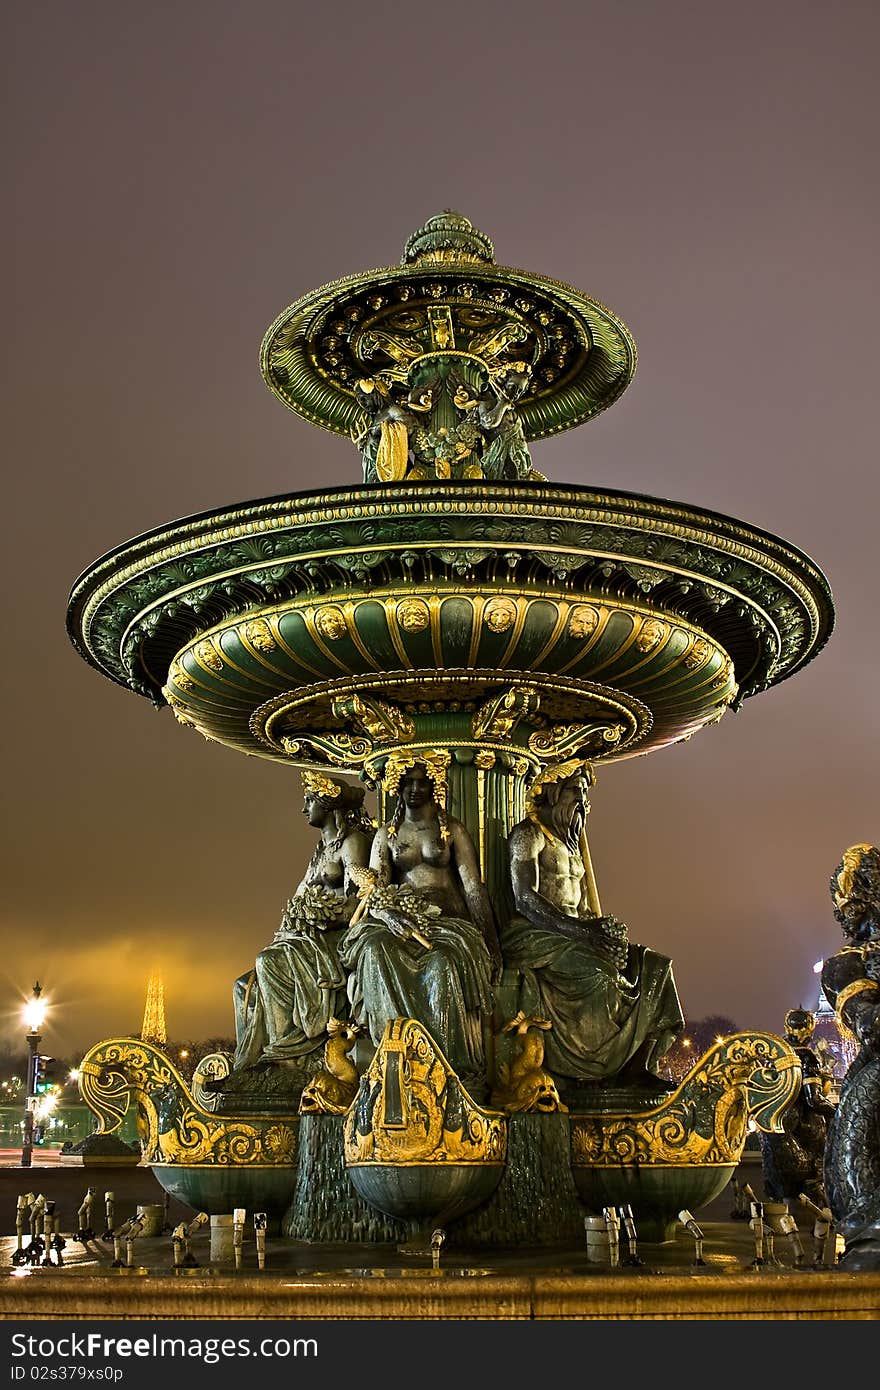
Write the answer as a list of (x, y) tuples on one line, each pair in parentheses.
[(457, 614)]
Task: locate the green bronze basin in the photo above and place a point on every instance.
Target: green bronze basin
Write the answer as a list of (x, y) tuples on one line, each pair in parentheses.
[(425, 1192), (257, 622), (682, 1151), (219, 1190)]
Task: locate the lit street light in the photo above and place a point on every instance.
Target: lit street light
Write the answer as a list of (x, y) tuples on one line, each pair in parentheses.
[(34, 1013)]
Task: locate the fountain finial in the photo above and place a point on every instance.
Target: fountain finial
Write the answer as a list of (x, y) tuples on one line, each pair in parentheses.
[(448, 236)]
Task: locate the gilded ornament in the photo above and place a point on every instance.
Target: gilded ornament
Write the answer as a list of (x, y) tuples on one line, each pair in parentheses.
[(259, 634), (566, 741), (843, 998), (559, 772), (699, 652), (523, 1084), (412, 1108), (341, 750), (651, 634), (850, 865), (725, 676), (279, 1143), (435, 762), (499, 615), (214, 1067), (333, 1088), (498, 717), (380, 721), (745, 1077), (442, 332), (172, 1127), (330, 623), (413, 615), (208, 655), (317, 784), (583, 621)]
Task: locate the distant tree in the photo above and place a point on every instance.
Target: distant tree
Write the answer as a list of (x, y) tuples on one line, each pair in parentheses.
[(13, 1059), (697, 1038), (187, 1053), (706, 1031), (14, 1064)]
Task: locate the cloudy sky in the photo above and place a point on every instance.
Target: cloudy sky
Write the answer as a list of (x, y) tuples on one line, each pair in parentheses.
[(179, 173)]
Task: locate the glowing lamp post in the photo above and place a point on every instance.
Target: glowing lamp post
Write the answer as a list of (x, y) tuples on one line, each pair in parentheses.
[(34, 1014)]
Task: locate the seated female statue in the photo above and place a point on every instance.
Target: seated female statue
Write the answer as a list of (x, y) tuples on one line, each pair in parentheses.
[(426, 947), (283, 1005)]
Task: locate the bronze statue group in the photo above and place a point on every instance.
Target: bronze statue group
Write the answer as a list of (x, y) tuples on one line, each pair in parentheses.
[(395, 922)]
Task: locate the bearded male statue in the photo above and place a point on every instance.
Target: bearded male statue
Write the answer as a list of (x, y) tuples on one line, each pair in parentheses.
[(613, 1005)]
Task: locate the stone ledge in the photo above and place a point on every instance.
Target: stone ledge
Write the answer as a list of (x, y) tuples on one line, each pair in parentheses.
[(433, 1294)]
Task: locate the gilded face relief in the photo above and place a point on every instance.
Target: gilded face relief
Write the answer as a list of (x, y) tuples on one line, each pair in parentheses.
[(330, 623), (208, 655), (500, 614), (583, 621), (698, 653), (413, 615), (259, 634), (651, 635)]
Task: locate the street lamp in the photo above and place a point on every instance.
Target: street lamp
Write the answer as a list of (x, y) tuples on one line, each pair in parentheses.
[(34, 1013)]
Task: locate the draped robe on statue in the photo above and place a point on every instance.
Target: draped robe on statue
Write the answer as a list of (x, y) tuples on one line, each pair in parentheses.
[(601, 1016), (608, 1016)]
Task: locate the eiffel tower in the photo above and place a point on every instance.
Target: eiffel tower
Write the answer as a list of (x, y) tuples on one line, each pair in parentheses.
[(153, 1027)]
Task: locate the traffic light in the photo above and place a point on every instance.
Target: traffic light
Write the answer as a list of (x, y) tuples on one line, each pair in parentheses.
[(44, 1073)]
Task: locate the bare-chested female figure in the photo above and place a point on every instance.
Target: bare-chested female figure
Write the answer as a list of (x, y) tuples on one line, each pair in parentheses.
[(426, 948)]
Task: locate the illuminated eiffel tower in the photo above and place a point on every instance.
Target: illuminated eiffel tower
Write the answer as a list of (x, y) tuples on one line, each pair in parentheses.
[(153, 1027)]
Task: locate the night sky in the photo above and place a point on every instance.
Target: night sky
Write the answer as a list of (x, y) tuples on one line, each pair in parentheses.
[(179, 173)]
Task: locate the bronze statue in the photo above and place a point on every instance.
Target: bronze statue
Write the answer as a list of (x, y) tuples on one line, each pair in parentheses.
[(334, 1086), (613, 1005), (523, 1084), (793, 1160), (507, 453), (851, 981), (493, 414), (425, 947), (282, 1006), (385, 435)]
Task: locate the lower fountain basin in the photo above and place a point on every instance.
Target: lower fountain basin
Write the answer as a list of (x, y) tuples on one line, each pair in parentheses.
[(426, 1191), (219, 1191), (655, 1194), (681, 1151)]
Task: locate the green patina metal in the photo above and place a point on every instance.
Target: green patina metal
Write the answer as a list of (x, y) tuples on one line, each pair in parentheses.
[(456, 605), (448, 298)]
